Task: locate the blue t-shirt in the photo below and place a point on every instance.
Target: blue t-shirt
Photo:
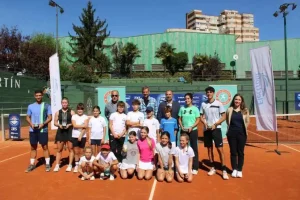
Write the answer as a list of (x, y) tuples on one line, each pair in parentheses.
[(38, 114), (169, 125)]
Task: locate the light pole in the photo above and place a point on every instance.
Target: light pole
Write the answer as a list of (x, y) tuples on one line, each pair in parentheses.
[(61, 10), (283, 9)]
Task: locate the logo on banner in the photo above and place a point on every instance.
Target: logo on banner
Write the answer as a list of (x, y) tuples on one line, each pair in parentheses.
[(107, 97), (14, 121), (298, 97), (261, 85), (223, 96)]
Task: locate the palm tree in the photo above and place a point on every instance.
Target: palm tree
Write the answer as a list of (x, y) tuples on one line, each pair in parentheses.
[(165, 53), (199, 64), (129, 53)]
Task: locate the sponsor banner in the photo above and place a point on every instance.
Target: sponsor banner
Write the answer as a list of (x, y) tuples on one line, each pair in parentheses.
[(104, 96), (297, 100), (264, 89), (14, 124), (55, 86), (224, 94), (198, 98)]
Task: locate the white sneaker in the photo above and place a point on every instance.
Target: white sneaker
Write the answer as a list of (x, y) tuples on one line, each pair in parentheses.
[(69, 168), (195, 172), (225, 175), (82, 178), (211, 172), (56, 168), (234, 173), (239, 174), (101, 176), (75, 169), (92, 178), (111, 177)]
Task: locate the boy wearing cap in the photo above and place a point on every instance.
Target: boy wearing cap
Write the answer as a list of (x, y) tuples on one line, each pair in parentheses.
[(153, 124), (106, 163), (212, 114)]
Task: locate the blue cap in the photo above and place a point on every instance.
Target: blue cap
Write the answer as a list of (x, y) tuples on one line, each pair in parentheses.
[(149, 109)]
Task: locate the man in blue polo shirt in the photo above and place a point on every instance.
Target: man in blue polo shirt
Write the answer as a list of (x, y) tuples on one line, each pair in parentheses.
[(38, 116)]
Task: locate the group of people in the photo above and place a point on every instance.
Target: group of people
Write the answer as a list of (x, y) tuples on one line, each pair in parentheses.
[(143, 140)]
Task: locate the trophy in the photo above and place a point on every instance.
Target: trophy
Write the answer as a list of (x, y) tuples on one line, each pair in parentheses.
[(64, 121), (209, 126), (36, 122)]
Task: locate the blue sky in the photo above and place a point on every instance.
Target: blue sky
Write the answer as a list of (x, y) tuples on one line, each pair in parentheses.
[(137, 17)]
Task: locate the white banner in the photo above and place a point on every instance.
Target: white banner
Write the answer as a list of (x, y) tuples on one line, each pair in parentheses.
[(263, 89), (54, 86)]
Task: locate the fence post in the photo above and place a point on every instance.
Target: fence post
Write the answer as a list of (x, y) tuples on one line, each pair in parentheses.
[(2, 127)]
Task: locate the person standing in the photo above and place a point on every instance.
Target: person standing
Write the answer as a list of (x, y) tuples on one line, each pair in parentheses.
[(212, 115), (63, 122), (188, 122), (174, 105), (147, 101), (237, 119), (38, 116)]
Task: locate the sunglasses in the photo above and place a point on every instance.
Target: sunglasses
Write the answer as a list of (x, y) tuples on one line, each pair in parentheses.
[(114, 95)]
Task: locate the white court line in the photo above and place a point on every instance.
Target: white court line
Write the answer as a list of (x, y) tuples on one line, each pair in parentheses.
[(5, 147), (153, 189), (272, 140)]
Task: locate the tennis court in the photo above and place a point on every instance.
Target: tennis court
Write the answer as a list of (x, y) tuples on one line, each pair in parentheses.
[(266, 175)]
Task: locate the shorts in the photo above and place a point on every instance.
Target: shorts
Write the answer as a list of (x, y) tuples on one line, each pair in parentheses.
[(63, 135), (146, 165), (213, 135), (127, 166), (38, 137), (96, 142), (80, 144)]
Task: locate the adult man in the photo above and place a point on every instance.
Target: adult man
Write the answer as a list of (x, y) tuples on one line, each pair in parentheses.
[(212, 115), (168, 102), (111, 106), (38, 116), (147, 101)]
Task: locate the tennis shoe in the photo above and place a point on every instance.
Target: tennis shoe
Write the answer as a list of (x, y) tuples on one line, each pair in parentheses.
[(239, 174), (234, 173), (211, 172)]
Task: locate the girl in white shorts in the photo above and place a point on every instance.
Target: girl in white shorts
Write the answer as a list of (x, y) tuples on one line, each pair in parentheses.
[(131, 153), (146, 148), (184, 160)]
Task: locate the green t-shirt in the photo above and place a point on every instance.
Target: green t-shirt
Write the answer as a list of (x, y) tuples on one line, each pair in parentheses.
[(188, 116)]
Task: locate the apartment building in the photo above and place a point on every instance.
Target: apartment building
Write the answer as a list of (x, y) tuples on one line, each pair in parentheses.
[(228, 22)]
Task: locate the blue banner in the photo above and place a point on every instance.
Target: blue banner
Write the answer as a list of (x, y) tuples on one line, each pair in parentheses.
[(297, 100), (197, 100), (14, 124)]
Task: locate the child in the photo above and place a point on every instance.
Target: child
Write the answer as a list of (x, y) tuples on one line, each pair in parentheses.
[(152, 124), (106, 163), (135, 118), (170, 125), (86, 165), (80, 123), (165, 152), (117, 126), (146, 147), (130, 149), (97, 125), (184, 160)]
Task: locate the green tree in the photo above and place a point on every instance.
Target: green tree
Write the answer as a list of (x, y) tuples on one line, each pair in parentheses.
[(179, 62), (35, 55), (165, 53), (89, 38)]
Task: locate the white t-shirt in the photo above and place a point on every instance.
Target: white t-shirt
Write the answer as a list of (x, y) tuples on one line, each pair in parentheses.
[(183, 157), (164, 153), (119, 122), (108, 159), (135, 117), (153, 126), (212, 111), (83, 159), (79, 121), (97, 125)]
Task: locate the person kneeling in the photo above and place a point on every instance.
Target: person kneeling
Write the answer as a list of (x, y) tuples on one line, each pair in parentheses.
[(86, 168), (106, 163), (184, 160)]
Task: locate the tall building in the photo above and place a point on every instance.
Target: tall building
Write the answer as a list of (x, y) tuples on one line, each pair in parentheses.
[(229, 22)]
